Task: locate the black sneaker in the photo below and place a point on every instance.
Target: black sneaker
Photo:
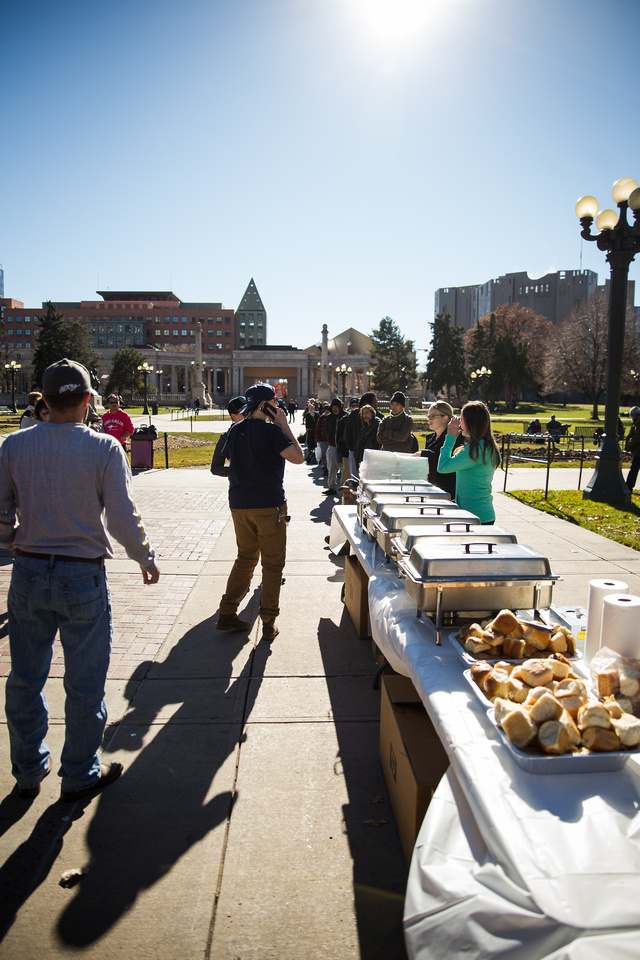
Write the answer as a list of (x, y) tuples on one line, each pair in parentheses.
[(330, 492)]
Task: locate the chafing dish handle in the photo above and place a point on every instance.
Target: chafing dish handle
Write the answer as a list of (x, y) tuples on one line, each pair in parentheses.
[(433, 511), (458, 523), (439, 592), (480, 543)]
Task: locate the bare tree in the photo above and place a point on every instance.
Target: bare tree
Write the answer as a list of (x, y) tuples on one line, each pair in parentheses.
[(578, 358)]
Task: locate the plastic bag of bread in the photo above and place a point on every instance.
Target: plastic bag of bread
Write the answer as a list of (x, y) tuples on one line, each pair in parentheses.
[(617, 677)]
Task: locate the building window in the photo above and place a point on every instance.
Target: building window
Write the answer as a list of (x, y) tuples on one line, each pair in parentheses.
[(175, 333), (219, 346), (184, 333), (209, 346), (219, 333)]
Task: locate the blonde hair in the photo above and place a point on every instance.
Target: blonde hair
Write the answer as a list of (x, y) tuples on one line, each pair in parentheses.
[(442, 407)]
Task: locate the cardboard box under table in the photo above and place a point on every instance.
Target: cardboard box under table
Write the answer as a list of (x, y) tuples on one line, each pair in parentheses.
[(356, 595), (413, 759)]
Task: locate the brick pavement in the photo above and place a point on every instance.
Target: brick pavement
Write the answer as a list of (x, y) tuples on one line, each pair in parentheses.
[(141, 620)]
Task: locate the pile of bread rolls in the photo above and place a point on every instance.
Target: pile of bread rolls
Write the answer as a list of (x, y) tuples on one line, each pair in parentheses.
[(618, 679), (543, 705), (508, 636)]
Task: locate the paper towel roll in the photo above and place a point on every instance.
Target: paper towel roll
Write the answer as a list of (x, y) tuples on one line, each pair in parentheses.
[(598, 590), (621, 624)]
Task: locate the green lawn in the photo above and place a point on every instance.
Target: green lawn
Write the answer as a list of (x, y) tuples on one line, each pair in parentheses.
[(621, 524)]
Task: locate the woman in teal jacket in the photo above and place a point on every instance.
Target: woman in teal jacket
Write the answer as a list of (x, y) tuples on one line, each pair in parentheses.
[(474, 464)]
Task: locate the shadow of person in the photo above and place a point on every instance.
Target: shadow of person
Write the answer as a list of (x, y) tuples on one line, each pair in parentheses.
[(166, 800)]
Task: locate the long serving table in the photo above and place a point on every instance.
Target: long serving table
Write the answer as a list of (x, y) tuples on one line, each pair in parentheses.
[(507, 864)]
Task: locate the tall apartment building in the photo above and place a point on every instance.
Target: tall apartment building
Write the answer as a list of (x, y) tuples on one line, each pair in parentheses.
[(553, 295)]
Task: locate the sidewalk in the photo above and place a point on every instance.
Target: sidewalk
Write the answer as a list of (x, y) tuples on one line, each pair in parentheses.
[(252, 820)]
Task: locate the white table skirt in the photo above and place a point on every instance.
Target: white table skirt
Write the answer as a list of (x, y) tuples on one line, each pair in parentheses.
[(508, 863)]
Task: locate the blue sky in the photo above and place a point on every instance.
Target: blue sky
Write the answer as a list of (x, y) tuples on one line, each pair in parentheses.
[(351, 156)]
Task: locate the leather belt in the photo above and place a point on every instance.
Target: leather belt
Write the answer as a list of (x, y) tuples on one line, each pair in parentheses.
[(58, 557)]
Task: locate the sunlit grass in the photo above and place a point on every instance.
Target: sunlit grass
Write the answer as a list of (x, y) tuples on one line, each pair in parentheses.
[(621, 524)]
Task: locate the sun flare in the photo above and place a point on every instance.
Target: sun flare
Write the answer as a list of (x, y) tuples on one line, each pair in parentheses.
[(395, 21)]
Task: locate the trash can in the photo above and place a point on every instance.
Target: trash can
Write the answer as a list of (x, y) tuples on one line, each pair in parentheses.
[(154, 409), (142, 447)]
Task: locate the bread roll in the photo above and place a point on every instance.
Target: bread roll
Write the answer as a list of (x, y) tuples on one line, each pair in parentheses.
[(513, 648), (496, 684), (629, 687), (535, 672), (517, 690), (596, 738), (553, 737), (558, 643), (613, 708), (519, 727), (559, 669), (545, 708), (572, 694), (479, 673), (593, 715), (627, 729), (501, 708), (491, 638), (575, 739), (507, 623), (504, 665), (607, 683), (475, 646)]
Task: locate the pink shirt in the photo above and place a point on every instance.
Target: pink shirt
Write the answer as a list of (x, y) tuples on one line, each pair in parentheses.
[(117, 424)]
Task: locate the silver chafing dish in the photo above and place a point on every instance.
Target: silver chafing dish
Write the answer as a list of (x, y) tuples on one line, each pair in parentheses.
[(374, 507), (455, 531), (372, 487), (394, 516), (475, 576)]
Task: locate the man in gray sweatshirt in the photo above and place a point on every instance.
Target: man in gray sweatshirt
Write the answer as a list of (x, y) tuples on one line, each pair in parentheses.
[(59, 483)]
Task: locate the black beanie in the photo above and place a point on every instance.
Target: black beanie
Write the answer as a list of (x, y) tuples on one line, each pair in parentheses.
[(399, 397)]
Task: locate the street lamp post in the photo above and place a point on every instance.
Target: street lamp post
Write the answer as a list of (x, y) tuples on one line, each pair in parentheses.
[(622, 242), (479, 375), (145, 369), (12, 368), (343, 371)]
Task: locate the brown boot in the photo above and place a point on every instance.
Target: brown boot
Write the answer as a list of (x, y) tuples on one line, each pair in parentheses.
[(231, 621), (269, 630)]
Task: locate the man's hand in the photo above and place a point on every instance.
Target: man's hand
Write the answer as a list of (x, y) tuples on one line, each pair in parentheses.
[(280, 417), (151, 576)]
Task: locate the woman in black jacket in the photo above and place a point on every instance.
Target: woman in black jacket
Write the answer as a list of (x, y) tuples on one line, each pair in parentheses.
[(439, 415)]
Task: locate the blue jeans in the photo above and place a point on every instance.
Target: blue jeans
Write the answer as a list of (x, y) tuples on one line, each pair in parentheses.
[(46, 596)]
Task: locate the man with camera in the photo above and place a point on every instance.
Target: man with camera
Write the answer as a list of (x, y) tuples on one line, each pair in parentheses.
[(257, 448)]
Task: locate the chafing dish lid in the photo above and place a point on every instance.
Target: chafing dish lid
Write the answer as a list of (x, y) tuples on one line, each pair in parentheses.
[(394, 516), (371, 487), (452, 530), (504, 561), (378, 504)]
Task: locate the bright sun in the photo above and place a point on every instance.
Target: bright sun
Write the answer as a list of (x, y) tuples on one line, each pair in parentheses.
[(395, 21)]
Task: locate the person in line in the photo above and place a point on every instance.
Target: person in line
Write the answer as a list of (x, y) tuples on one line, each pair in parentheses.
[(41, 411), (334, 456), (27, 418), (61, 486), (632, 446), (439, 416), (257, 448), (116, 422), (218, 468), (310, 419), (322, 440), (292, 406), (394, 433), (474, 464), (350, 433), (368, 435)]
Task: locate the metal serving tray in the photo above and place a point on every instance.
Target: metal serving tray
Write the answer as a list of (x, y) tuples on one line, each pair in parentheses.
[(370, 488), (394, 517), (582, 762), (488, 576), (455, 531), (373, 508)]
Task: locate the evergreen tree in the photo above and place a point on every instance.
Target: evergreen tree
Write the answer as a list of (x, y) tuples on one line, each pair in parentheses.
[(445, 362), (394, 357), (58, 339), (125, 376)]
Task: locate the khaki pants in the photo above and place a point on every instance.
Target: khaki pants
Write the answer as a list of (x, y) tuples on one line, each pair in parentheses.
[(261, 534)]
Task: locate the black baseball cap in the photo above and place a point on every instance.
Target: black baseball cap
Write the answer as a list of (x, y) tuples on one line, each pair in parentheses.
[(256, 395), (236, 404), (66, 377)]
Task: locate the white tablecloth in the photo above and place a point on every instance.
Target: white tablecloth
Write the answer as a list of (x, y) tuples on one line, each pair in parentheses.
[(508, 863)]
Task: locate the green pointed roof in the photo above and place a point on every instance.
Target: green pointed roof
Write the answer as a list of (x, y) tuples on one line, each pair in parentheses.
[(251, 299)]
